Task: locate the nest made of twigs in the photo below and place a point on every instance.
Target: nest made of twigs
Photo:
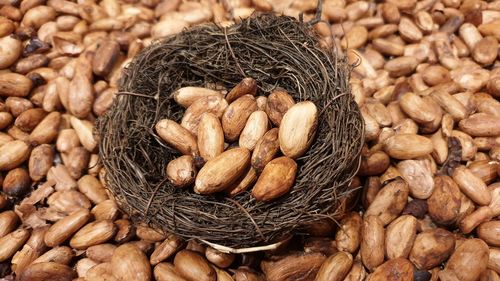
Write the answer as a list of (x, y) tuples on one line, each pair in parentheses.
[(276, 51)]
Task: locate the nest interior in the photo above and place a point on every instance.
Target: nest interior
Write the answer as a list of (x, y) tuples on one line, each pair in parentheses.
[(277, 51)]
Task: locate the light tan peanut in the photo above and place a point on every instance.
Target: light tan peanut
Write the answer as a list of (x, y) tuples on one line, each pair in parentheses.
[(481, 125), (106, 210), (104, 101), (399, 237), (435, 75), (419, 177), (293, 266), (348, 237), (489, 232), (8, 222), (61, 255), (220, 259), (84, 131), (92, 188), (335, 267), (357, 272), (471, 254), (66, 140), (25, 65), (278, 103), (355, 38), (265, 149), (193, 267), (66, 227), (378, 111), (444, 203), (374, 163), (416, 108), (470, 78), (420, 51), (431, 248), (30, 118), (16, 183), (10, 50), (450, 104), (46, 271), (406, 126), (440, 147), (236, 115), (294, 143), (372, 128), (484, 169), (17, 105), (186, 96), (471, 186), (372, 242), (247, 86), (11, 242), (466, 207), (217, 175), (387, 47), (211, 104), (125, 231), (210, 136), (276, 179), (261, 102), (401, 66), (129, 263), (167, 272), (390, 12), (255, 128), (39, 15), (485, 50), (77, 161), (6, 27), (364, 68), (150, 234), (40, 161), (83, 265), (80, 95), (407, 146), (101, 253), (181, 171), (166, 249), (92, 234), (243, 183), (392, 270), (389, 201), (12, 154), (5, 119), (106, 56), (471, 221), (177, 136)]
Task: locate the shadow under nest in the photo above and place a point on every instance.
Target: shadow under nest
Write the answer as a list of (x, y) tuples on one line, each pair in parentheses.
[(276, 51)]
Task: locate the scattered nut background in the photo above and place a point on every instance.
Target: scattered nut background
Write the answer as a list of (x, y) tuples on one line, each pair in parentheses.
[(427, 81)]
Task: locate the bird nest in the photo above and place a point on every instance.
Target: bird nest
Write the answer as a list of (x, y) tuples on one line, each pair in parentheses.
[(277, 51)]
